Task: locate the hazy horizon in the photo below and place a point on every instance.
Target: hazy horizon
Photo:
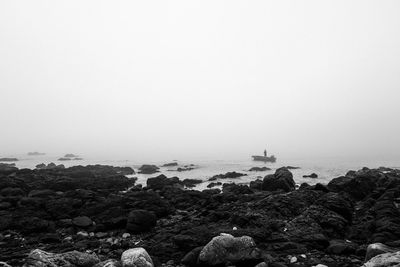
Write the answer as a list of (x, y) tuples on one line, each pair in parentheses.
[(213, 79)]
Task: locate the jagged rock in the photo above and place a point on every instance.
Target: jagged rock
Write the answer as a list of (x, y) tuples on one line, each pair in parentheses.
[(40, 258), (4, 264), (226, 248), (161, 181), (136, 257), (281, 180), (191, 182), (140, 221)]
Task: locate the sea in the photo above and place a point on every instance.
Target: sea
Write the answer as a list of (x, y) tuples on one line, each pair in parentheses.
[(326, 168)]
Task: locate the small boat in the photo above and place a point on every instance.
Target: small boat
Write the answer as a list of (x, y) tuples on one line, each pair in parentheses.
[(264, 158)]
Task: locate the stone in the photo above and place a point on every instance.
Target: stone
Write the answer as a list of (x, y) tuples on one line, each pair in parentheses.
[(226, 248), (40, 258), (384, 260), (259, 169), (82, 221), (377, 249), (148, 169), (281, 180), (313, 175), (136, 257)]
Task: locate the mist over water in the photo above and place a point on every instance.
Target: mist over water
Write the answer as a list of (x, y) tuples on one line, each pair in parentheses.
[(152, 82)]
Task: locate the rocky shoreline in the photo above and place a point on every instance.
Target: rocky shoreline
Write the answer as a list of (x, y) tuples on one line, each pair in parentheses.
[(96, 216)]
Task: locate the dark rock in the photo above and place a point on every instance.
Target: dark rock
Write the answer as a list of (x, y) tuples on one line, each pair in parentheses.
[(281, 180), (256, 185), (148, 169), (8, 159), (228, 175), (191, 258), (82, 221), (313, 175), (140, 221), (191, 182), (161, 181), (213, 184), (35, 154), (236, 189), (64, 159), (291, 167), (259, 169), (170, 164), (70, 156), (339, 247)]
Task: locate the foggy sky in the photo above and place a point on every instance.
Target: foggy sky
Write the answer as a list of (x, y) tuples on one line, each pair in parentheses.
[(178, 79)]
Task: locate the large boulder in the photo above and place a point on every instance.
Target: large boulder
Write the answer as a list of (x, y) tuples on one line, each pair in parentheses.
[(140, 221), (228, 249), (136, 257), (384, 260), (281, 180), (161, 181), (40, 258), (377, 249)]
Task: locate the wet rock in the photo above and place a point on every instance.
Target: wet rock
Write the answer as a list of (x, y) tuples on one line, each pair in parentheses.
[(148, 169), (40, 258), (256, 185), (226, 248), (136, 257), (140, 221), (281, 180)]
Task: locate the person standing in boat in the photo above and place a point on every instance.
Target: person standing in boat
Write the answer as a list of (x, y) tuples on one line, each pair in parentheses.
[(265, 152)]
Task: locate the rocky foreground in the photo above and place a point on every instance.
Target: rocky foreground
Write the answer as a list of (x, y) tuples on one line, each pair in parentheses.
[(96, 216)]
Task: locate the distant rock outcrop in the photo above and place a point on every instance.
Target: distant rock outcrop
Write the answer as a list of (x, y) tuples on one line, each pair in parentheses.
[(8, 159), (148, 169)]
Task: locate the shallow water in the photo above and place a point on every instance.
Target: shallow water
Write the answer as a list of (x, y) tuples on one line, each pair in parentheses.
[(325, 168)]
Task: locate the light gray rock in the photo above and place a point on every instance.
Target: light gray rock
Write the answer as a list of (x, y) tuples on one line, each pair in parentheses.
[(377, 249), (109, 263), (40, 258), (136, 257), (226, 248), (384, 260)]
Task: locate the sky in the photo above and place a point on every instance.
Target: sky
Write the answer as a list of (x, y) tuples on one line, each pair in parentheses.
[(217, 79)]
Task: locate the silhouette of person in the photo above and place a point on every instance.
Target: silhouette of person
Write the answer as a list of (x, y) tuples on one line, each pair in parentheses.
[(265, 153)]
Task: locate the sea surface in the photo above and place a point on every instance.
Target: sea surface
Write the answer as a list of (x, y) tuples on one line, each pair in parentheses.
[(325, 168)]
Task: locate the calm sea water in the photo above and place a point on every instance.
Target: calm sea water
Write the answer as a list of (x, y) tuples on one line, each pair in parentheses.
[(325, 168)]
